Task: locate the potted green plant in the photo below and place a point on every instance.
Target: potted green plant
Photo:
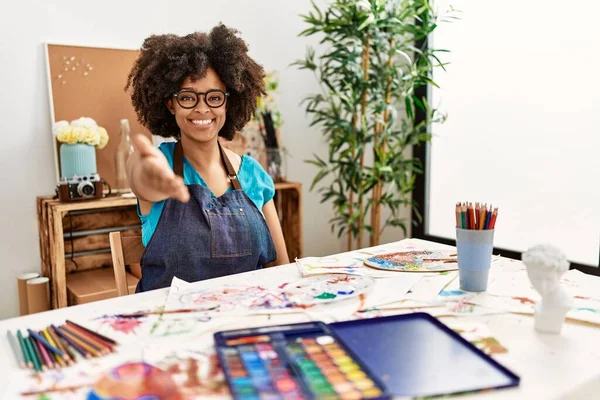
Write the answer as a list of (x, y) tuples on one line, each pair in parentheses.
[(370, 70)]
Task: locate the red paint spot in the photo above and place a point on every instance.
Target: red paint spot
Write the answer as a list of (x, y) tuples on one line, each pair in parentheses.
[(125, 325), (524, 300)]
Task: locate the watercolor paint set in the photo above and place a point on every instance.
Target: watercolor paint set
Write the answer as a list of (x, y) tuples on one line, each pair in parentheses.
[(411, 355), (295, 361)]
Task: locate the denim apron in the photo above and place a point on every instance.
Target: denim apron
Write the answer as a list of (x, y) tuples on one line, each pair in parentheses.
[(206, 237)]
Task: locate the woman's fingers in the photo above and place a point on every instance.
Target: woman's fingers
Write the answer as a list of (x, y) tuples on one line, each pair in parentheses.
[(157, 170), (143, 145), (162, 178)]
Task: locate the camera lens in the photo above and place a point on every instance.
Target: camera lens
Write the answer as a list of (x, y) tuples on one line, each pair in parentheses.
[(86, 189)]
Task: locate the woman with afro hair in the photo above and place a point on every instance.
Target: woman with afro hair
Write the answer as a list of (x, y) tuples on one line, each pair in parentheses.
[(205, 211)]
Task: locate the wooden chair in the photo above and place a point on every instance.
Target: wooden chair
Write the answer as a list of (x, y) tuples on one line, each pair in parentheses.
[(126, 251)]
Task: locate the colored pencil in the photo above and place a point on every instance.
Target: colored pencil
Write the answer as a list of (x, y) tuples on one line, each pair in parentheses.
[(24, 349), (475, 216), (493, 219), (45, 343), (488, 216), (28, 354), (100, 349), (60, 360), (71, 343), (457, 214), (471, 217), (37, 365), (68, 355), (73, 355), (482, 217), (109, 340), (44, 353), (92, 338), (16, 349), (89, 349)]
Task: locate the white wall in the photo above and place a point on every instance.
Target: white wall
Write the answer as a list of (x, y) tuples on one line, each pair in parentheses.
[(26, 153)]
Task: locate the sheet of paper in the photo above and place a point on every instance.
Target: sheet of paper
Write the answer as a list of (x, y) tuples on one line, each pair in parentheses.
[(391, 290), (478, 334), (430, 285)]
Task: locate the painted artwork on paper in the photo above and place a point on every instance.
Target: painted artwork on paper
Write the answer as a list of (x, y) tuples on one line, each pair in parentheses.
[(330, 265), (182, 374), (415, 261), (478, 334), (135, 380), (227, 299), (321, 289)]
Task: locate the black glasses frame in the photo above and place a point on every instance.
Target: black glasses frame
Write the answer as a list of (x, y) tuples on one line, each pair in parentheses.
[(198, 95)]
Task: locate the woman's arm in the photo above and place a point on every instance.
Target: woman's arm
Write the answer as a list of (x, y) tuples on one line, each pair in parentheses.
[(270, 214)]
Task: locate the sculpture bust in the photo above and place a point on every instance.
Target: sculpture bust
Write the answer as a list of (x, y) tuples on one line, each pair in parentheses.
[(545, 266)]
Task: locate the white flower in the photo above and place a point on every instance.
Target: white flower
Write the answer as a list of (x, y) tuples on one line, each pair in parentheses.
[(84, 122), (82, 130), (59, 127)]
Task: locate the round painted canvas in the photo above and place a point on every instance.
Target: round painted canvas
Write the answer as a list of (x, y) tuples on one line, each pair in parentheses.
[(327, 288), (415, 261)]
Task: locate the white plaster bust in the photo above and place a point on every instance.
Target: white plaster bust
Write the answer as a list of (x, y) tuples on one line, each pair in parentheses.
[(545, 266)]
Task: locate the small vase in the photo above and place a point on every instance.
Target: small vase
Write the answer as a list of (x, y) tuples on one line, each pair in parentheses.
[(77, 159)]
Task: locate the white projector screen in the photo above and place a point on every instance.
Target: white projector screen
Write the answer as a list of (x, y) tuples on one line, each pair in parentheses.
[(522, 98)]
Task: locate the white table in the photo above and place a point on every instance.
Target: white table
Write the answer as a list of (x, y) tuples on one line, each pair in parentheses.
[(550, 366)]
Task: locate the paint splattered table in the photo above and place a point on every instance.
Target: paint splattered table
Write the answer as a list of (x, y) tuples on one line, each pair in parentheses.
[(498, 321)]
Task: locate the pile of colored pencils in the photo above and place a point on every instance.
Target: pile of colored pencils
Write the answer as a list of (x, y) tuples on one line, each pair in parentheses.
[(476, 217), (55, 347)]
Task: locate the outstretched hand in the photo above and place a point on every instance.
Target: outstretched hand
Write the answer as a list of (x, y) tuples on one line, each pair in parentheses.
[(155, 174)]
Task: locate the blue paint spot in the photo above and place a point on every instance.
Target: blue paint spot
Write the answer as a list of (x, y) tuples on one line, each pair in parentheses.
[(447, 293)]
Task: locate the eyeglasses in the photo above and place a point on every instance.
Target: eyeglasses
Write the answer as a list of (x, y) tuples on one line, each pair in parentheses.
[(189, 99)]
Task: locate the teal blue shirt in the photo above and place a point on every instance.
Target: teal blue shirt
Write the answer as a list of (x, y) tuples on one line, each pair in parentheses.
[(255, 182)]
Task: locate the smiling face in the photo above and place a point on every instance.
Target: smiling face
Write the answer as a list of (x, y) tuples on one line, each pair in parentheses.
[(200, 123)]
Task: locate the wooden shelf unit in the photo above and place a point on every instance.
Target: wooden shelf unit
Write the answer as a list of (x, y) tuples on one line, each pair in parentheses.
[(73, 236)]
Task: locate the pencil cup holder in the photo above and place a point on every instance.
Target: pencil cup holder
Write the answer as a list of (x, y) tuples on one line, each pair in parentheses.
[(474, 248)]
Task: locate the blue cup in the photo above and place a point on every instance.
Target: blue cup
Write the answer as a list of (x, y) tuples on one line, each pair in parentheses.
[(474, 248)]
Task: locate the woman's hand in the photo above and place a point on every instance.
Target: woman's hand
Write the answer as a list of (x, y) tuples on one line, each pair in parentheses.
[(150, 175)]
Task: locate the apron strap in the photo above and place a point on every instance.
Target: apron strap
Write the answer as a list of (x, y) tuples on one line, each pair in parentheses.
[(178, 159), (178, 164), (230, 170)]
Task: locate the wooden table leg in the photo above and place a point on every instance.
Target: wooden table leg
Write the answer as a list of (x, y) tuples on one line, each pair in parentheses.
[(57, 260)]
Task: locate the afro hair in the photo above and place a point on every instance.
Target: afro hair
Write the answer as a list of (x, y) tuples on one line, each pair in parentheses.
[(165, 61)]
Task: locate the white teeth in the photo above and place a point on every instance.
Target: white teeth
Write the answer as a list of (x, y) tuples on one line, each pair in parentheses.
[(202, 121)]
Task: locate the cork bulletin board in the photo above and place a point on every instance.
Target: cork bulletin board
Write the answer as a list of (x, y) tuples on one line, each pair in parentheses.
[(89, 82)]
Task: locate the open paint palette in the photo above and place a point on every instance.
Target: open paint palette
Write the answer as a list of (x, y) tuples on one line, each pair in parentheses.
[(319, 289), (296, 361), (411, 355)]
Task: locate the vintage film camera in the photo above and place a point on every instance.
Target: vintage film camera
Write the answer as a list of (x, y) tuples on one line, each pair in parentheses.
[(80, 187)]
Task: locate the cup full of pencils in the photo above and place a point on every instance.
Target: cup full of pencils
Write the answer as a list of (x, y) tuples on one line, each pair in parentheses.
[(474, 244)]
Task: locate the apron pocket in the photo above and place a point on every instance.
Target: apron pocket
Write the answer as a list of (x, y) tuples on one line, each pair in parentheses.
[(230, 232)]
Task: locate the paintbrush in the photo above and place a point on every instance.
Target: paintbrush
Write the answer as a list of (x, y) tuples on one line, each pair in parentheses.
[(160, 312), (55, 390)]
